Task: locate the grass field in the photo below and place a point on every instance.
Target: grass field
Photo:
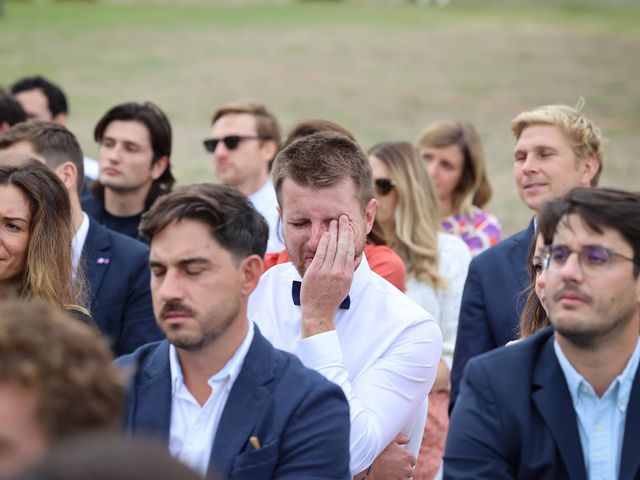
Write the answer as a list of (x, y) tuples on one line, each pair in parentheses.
[(383, 69)]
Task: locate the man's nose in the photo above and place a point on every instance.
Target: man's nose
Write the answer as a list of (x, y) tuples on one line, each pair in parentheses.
[(316, 234)]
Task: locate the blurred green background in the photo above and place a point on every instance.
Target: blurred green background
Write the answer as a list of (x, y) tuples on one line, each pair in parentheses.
[(383, 69)]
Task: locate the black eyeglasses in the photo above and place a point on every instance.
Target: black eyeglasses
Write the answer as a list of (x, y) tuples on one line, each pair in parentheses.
[(383, 186), (592, 258), (231, 142)]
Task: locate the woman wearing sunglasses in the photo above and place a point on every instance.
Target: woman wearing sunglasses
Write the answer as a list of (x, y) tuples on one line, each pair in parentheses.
[(436, 262), (452, 153)]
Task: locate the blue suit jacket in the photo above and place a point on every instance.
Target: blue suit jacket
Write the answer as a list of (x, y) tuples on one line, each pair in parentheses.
[(117, 279), (491, 301), (300, 418), (514, 418)]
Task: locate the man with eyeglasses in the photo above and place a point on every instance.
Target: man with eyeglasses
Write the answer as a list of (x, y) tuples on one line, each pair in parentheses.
[(244, 140), (564, 403), (557, 149)]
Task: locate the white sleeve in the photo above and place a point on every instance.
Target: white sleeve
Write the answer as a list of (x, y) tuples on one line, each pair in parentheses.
[(454, 265), (384, 397)]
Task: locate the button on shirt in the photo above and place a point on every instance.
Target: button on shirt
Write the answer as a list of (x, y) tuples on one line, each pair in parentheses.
[(600, 419), (266, 203), (193, 427), (384, 352)]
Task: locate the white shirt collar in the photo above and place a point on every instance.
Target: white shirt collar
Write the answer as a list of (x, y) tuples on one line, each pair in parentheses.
[(78, 242), (230, 371), (360, 276), (263, 195)]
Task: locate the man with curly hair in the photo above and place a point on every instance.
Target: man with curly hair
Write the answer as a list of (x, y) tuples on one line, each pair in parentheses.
[(56, 381)]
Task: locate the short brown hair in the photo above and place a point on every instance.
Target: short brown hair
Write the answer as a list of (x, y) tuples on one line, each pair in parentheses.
[(229, 215), (586, 139), (67, 364), (323, 160), (315, 125), (266, 124), (598, 208), (54, 142), (473, 187)]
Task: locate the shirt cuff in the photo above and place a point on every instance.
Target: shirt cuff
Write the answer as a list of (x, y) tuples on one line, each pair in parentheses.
[(320, 351)]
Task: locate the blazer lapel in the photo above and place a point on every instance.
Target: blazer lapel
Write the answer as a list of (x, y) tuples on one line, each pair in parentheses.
[(95, 257), (554, 403), (243, 406), (152, 410), (630, 459), (519, 254)]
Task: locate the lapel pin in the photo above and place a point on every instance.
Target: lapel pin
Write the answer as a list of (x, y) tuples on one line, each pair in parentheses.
[(102, 261)]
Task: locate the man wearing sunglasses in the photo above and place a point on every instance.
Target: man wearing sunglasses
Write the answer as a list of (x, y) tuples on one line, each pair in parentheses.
[(339, 317), (244, 140), (564, 403), (557, 149)]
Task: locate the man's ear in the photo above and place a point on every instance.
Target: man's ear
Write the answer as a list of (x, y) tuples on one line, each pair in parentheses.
[(60, 118), (589, 168), (158, 167), (251, 268), (269, 149), (68, 173), (370, 214)]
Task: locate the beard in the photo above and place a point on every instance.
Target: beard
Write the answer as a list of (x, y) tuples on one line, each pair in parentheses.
[(593, 332), (209, 326)]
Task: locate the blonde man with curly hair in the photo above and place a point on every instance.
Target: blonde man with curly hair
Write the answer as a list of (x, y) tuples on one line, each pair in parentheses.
[(557, 149)]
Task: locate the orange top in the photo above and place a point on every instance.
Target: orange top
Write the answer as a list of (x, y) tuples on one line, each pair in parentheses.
[(382, 260)]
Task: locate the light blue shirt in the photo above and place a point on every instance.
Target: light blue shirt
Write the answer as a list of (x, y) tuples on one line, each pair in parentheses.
[(600, 419)]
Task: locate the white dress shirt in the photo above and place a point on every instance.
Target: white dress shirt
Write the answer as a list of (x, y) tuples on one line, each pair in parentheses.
[(384, 352), (444, 303), (266, 203), (77, 244), (193, 427)]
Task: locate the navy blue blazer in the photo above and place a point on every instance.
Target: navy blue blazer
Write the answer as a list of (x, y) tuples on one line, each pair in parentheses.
[(491, 302), (514, 418), (117, 279), (300, 418)]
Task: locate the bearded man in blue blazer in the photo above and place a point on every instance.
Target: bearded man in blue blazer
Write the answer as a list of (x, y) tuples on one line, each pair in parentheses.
[(557, 149), (225, 401), (564, 403)]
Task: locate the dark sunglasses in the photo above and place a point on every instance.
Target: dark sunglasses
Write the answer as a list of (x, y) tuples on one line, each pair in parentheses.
[(231, 142), (383, 186)]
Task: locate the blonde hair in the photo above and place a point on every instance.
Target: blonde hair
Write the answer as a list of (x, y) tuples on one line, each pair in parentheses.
[(417, 218), (586, 139), (473, 187)]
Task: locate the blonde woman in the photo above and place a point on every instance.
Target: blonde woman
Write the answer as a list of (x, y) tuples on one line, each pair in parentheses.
[(436, 263), (452, 154)]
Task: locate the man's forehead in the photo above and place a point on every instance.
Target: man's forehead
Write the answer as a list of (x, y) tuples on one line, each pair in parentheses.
[(128, 130), (243, 122), (341, 196), (32, 97), (540, 134)]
